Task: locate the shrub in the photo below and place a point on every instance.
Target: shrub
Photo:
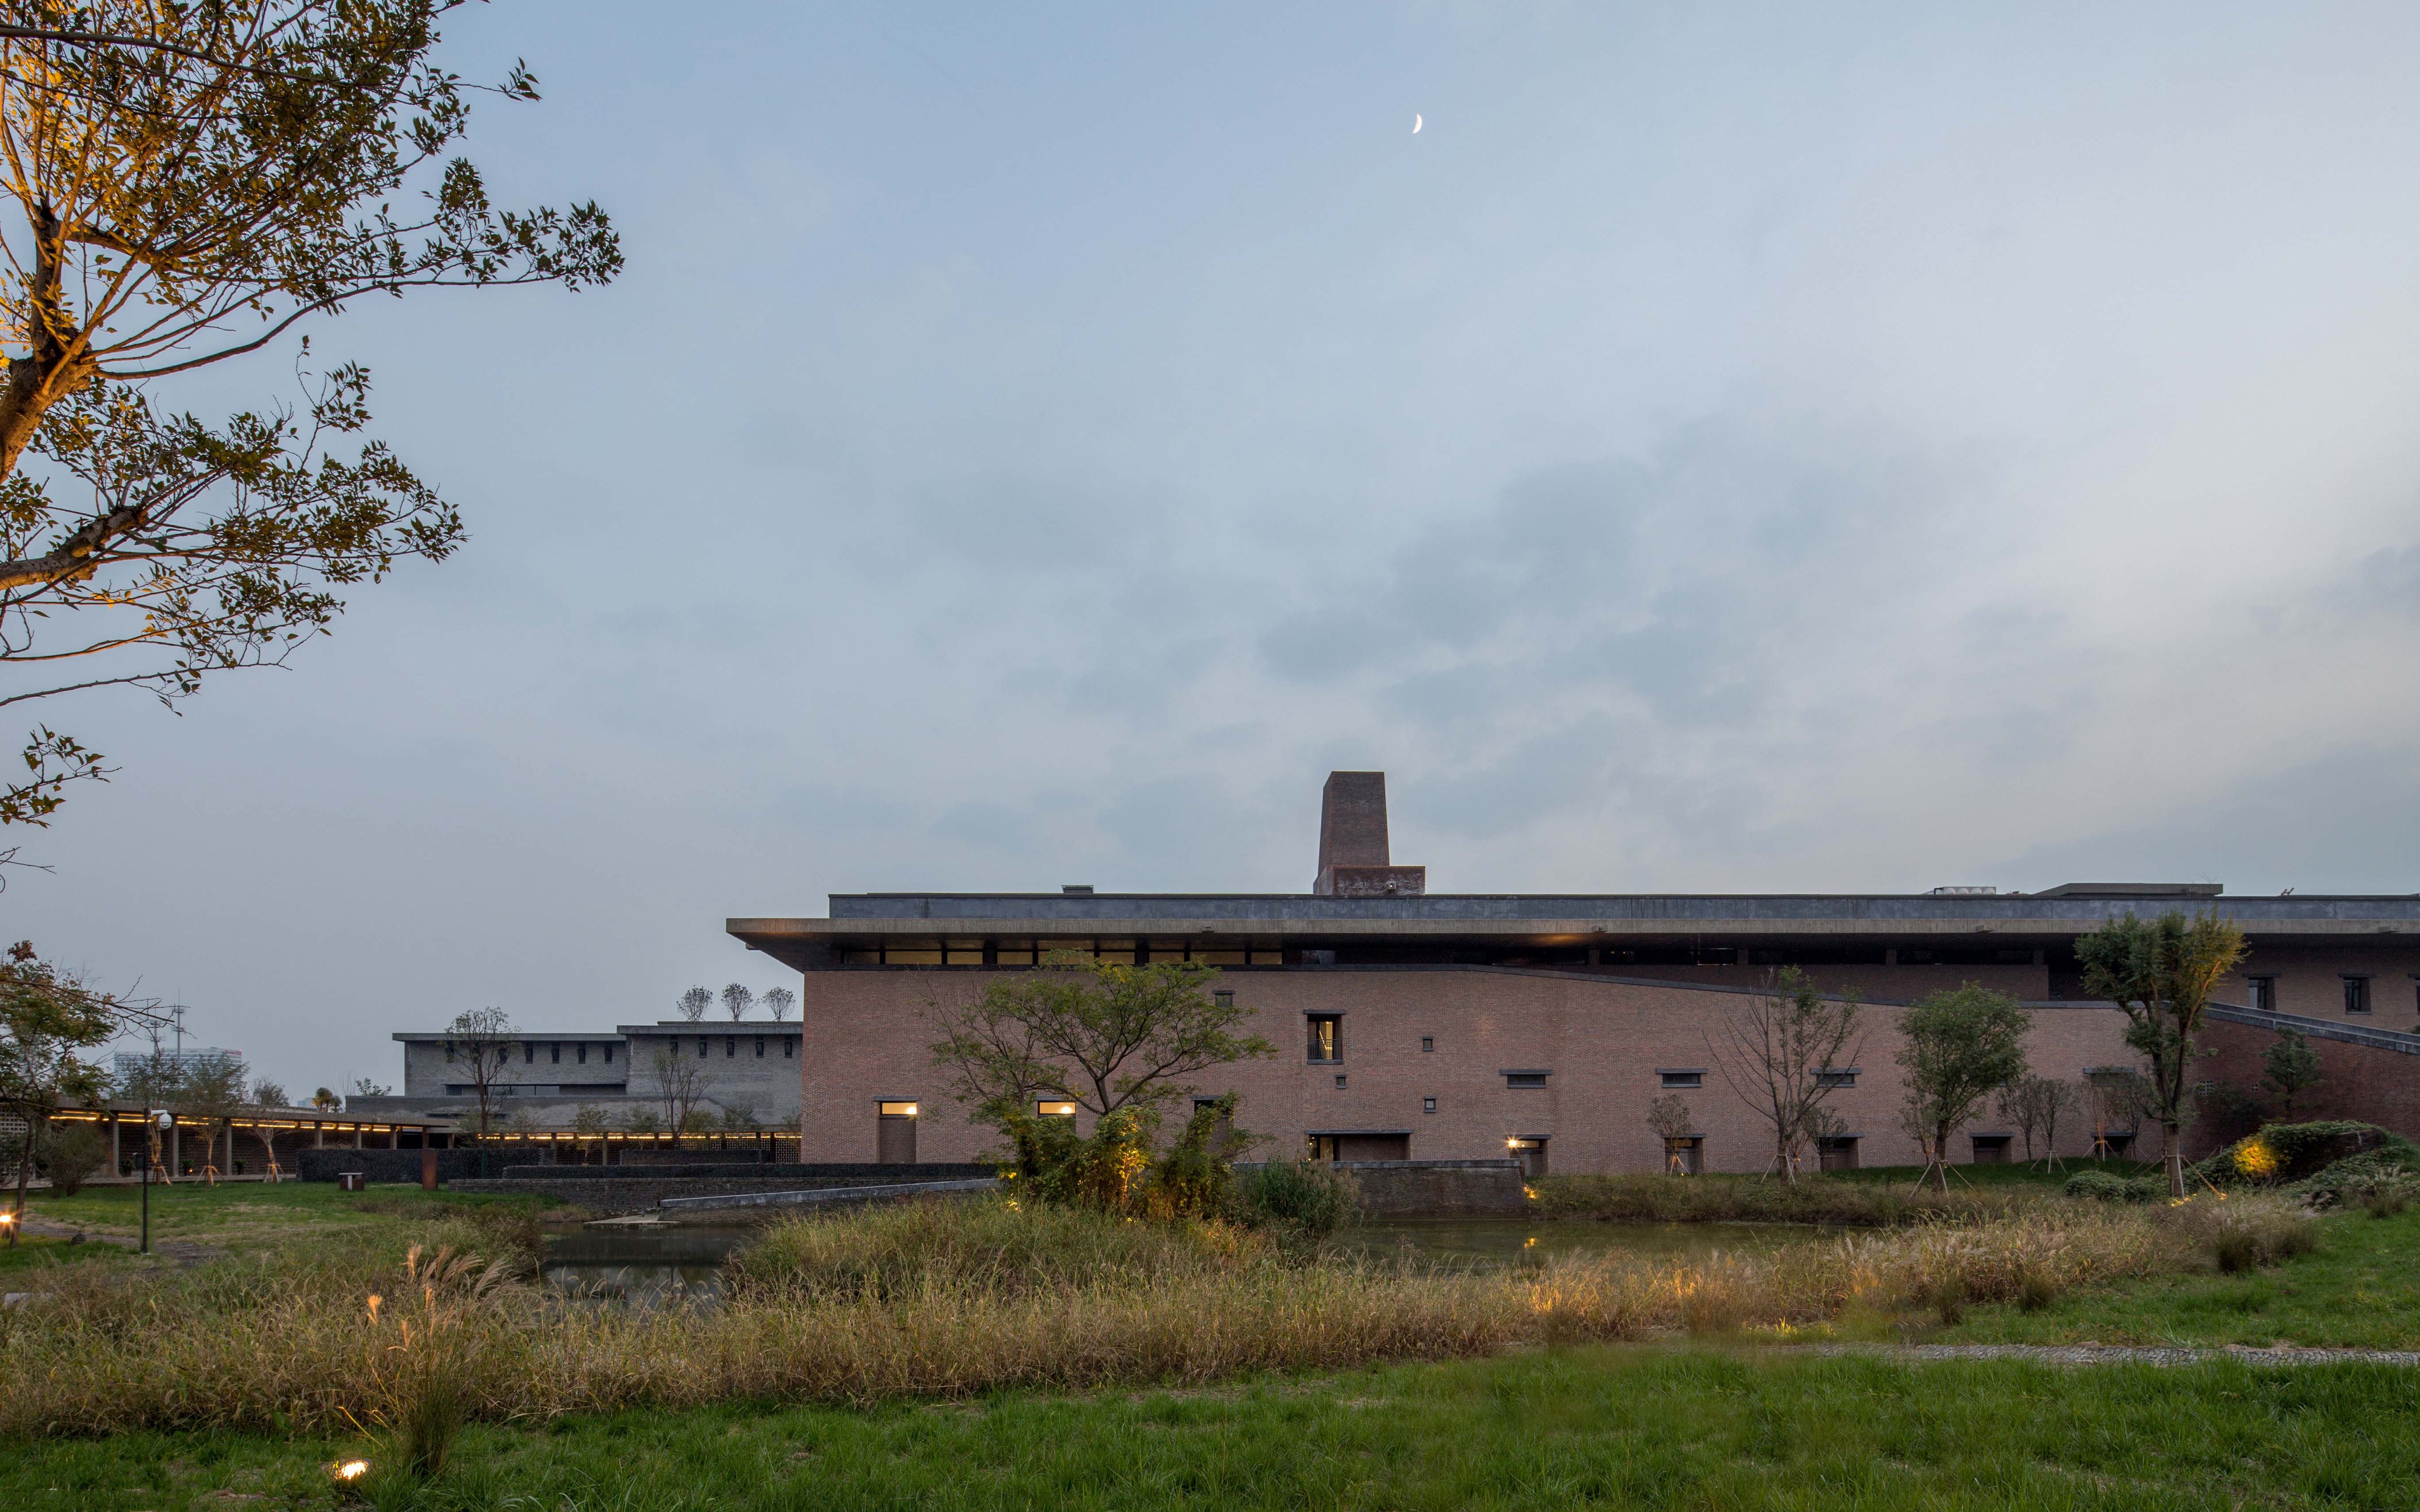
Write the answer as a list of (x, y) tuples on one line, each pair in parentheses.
[(2245, 1232), (1304, 1201), (2297, 1152), (2100, 1185), (71, 1154)]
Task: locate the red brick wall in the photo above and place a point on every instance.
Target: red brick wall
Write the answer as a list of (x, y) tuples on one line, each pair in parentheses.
[(2380, 1086), (865, 1039)]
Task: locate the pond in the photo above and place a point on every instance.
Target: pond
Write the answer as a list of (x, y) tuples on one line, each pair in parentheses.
[(652, 1264)]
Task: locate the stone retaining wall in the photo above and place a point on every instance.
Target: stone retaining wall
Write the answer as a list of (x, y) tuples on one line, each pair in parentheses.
[(1437, 1188), (638, 1191)]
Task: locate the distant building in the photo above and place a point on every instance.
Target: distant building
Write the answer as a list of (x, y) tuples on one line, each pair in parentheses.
[(748, 1067), (1419, 1024)]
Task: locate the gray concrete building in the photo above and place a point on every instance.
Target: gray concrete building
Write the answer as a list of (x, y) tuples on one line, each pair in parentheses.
[(742, 1070)]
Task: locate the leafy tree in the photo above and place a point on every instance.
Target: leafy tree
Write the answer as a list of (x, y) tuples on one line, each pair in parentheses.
[(2035, 1104), (71, 1154), (2163, 972), (737, 1000), (367, 1087), (1773, 1053), (191, 180), (589, 1122), (642, 1121), (209, 1091), (778, 1001), (2289, 1068), (694, 1002), (1958, 1045), (1100, 1035), (326, 1100), (481, 1039), (48, 1020), (266, 1096), (1669, 1119)]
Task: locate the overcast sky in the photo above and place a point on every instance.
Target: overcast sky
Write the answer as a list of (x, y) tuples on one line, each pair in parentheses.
[(1739, 448)]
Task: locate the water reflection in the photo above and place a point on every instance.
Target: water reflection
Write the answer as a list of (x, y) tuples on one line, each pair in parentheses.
[(642, 1264)]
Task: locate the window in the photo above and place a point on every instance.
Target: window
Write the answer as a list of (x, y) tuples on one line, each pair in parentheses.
[(581, 1053), (609, 1055), (1054, 1110), (1224, 997), (1428, 1045), (1428, 1104), (2260, 992), (1675, 1079), (555, 1053), (701, 1049), (760, 1047), (1326, 1036), (529, 1052), (1340, 1082), (1837, 1076), (449, 1052), (2356, 990), (789, 1049), (1525, 1078), (731, 1047), (897, 1110)]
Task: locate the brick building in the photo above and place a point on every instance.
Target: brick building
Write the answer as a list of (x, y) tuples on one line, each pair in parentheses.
[(1425, 1026)]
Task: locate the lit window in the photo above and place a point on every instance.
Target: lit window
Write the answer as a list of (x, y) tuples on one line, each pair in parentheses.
[(1054, 1110), (1326, 1036), (896, 1110)]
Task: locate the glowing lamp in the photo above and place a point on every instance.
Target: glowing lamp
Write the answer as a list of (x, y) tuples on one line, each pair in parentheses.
[(348, 1470)]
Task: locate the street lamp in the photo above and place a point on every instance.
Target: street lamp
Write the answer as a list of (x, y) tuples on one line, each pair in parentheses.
[(162, 1122)]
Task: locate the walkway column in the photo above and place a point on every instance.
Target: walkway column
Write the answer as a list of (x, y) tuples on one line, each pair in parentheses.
[(113, 1143), (175, 1149), (357, 1136)]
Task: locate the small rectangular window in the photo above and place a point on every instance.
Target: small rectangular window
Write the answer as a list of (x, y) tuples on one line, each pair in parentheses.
[(789, 1049), (1340, 1083), (1837, 1076), (1525, 1078), (1223, 996), (1674, 1080), (2260, 992), (1428, 1104), (1326, 1036), (1428, 1045), (731, 1047), (2356, 994), (1054, 1110), (760, 1047), (896, 1110)]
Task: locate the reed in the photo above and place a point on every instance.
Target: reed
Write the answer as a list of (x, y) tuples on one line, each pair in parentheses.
[(1816, 1199), (953, 1300)]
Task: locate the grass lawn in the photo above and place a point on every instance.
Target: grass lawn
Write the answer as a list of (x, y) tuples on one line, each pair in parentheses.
[(2361, 1288), (1636, 1426), (243, 1217)]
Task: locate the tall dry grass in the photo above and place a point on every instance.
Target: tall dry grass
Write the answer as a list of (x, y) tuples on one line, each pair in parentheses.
[(950, 1300)]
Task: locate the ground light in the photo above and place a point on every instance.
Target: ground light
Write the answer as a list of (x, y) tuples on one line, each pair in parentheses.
[(348, 1470)]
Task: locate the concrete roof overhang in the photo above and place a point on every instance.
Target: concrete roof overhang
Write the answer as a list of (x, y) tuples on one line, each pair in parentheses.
[(1611, 920)]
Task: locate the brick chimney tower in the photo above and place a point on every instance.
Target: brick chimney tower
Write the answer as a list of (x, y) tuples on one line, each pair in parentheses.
[(1353, 859)]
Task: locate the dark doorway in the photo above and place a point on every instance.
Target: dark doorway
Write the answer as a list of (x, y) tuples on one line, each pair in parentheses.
[(1838, 1154), (1530, 1150), (1685, 1154), (894, 1133), (1992, 1149)]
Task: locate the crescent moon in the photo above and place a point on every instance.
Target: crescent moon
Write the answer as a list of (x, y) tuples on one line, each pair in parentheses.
[(1415, 126)]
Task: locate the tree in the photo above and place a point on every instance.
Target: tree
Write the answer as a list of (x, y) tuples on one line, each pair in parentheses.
[(326, 1100), (680, 1086), (737, 1000), (1090, 1032), (1669, 1119), (193, 180), (209, 1089), (2288, 1066), (47, 1021), (2035, 1104), (363, 1087), (778, 1001), (694, 1002), (266, 1096), (2120, 1099), (2163, 973), (1773, 1052), (481, 1038), (1958, 1045), (589, 1122)]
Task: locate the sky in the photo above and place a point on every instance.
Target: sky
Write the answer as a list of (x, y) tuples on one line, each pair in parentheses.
[(1728, 448)]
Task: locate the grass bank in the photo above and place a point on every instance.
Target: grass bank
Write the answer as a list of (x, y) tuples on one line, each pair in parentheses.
[(255, 1218), (1631, 1427), (958, 1300), (1887, 1197)]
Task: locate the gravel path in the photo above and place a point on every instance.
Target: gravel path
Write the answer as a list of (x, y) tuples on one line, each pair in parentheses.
[(2124, 1353)]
